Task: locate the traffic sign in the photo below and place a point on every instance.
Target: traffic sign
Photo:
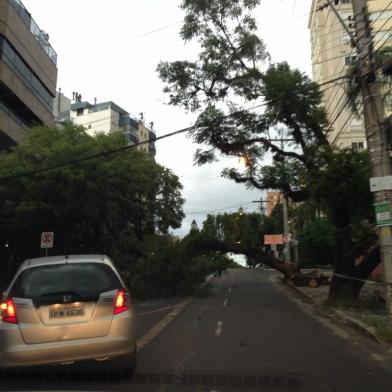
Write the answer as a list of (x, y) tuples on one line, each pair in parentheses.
[(270, 239), (47, 239), (383, 214), (380, 183)]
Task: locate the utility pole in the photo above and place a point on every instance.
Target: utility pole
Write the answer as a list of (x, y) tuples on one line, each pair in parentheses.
[(375, 136), (286, 234), (286, 239), (375, 132)]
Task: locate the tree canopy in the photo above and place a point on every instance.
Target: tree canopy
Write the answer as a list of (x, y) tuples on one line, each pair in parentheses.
[(251, 107), (92, 206)]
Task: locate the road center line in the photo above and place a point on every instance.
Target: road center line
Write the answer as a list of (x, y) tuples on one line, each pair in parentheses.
[(225, 302), (229, 290), (218, 330)]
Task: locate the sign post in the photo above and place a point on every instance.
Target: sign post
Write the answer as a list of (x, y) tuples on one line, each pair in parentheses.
[(273, 240), (47, 241)]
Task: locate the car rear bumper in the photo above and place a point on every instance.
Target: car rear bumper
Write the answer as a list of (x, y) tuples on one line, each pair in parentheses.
[(14, 352)]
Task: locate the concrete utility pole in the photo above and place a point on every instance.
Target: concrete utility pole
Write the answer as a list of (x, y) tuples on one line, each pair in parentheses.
[(286, 234), (286, 239), (375, 136)]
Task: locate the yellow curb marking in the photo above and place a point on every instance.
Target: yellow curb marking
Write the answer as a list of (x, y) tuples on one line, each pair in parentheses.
[(377, 357), (155, 310), (157, 328)]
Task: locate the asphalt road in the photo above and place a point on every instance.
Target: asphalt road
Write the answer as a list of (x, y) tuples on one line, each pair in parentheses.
[(246, 334)]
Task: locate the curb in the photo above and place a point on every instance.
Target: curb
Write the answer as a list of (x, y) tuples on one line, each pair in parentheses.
[(359, 326)]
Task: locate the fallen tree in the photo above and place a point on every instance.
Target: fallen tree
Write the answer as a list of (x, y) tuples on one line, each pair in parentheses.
[(232, 67)]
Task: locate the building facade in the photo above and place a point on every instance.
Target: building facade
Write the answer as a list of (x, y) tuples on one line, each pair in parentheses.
[(332, 54), (28, 74), (273, 199), (104, 117)]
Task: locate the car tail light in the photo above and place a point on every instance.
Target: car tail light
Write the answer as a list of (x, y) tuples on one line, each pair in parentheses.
[(121, 303), (8, 312)]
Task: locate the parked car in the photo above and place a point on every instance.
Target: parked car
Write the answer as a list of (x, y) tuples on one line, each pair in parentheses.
[(64, 309)]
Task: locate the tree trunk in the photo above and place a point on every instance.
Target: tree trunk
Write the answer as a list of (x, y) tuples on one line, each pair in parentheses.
[(258, 255), (349, 288)]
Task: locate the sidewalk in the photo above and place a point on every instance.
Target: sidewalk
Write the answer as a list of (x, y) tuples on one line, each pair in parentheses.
[(367, 316)]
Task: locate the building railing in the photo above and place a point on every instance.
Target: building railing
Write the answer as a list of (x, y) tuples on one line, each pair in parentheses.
[(39, 35)]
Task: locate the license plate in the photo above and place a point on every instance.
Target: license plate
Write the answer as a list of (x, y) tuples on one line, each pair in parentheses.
[(67, 312)]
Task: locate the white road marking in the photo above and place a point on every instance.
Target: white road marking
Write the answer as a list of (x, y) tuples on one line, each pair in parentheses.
[(229, 290), (225, 302), (218, 331)]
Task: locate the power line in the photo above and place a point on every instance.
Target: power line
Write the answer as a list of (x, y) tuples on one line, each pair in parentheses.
[(342, 128), (379, 15), (344, 69), (121, 149), (331, 48), (337, 116), (117, 150), (158, 29), (348, 99), (218, 209), (386, 32), (332, 58)]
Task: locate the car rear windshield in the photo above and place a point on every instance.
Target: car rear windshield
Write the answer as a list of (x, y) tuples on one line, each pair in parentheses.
[(82, 279)]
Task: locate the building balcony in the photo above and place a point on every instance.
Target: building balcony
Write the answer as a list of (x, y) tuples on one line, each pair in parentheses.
[(131, 138), (41, 37)]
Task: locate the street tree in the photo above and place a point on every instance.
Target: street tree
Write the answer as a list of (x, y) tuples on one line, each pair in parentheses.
[(98, 205), (233, 73)]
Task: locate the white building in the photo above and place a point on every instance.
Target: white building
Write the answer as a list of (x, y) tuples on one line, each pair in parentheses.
[(332, 55), (104, 117)]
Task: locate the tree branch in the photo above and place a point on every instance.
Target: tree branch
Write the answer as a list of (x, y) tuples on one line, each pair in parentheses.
[(239, 146)]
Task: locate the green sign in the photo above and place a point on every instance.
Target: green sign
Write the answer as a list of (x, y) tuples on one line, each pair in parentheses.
[(383, 214)]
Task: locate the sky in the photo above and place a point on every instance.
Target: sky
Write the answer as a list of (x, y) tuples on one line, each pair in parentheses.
[(110, 50)]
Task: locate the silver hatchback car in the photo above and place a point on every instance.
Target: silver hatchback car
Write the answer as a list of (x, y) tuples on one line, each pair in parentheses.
[(62, 309)]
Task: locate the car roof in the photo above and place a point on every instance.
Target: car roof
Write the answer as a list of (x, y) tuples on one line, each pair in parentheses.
[(65, 259)]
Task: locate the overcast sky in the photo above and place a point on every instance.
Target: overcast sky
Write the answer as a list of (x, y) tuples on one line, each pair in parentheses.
[(110, 50)]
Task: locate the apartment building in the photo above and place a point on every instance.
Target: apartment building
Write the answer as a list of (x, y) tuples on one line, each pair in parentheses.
[(28, 74), (146, 134), (104, 117), (332, 54)]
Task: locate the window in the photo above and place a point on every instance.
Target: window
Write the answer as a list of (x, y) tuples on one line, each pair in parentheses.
[(357, 146), (82, 278), (348, 60), (346, 40), (79, 112), (382, 35), (346, 15), (89, 126)]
